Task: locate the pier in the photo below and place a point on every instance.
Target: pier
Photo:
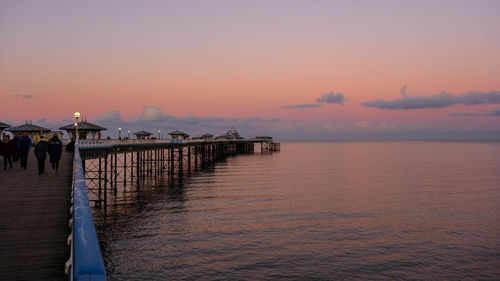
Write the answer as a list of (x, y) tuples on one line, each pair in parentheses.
[(35, 220), (111, 164), (34, 216)]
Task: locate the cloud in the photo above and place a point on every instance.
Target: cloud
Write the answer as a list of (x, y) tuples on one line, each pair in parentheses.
[(314, 105), (365, 130), (331, 97), (151, 113), (402, 91), (152, 119), (109, 116), (289, 130), (494, 112), (22, 96), (271, 120), (441, 100)]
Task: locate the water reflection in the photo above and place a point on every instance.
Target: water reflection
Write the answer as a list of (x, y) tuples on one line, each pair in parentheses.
[(411, 210)]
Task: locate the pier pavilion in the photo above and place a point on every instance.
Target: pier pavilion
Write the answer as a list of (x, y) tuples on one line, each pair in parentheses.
[(233, 134), (142, 135), (34, 131), (178, 135), (3, 126), (86, 130), (206, 136)]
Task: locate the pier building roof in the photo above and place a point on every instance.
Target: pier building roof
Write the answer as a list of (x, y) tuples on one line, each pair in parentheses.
[(83, 126), (178, 133), (4, 125), (28, 128), (142, 133)]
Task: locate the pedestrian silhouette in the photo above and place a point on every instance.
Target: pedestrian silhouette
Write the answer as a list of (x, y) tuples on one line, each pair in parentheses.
[(41, 148), (15, 141), (70, 147), (55, 151), (23, 146), (7, 149)]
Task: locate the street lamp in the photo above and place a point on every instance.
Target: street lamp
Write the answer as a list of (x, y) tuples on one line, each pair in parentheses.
[(128, 134), (77, 115), (119, 133), (158, 134)]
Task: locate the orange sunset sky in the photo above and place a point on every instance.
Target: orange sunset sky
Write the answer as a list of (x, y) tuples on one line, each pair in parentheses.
[(258, 65)]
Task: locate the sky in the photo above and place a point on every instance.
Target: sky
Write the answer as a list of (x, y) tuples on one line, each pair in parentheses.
[(290, 69)]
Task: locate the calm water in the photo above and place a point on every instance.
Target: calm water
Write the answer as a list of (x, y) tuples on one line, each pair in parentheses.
[(316, 211)]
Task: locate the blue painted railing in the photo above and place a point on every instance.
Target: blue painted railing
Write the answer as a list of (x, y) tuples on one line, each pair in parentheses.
[(86, 261)]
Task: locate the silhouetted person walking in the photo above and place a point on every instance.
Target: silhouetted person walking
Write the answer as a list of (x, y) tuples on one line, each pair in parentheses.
[(41, 148), (70, 147), (55, 151), (15, 141), (7, 150), (23, 146)]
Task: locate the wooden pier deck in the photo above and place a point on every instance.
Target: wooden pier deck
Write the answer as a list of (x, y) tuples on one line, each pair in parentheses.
[(34, 214)]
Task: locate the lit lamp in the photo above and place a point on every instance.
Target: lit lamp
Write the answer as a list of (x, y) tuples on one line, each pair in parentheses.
[(158, 134), (128, 134), (77, 115), (119, 133)]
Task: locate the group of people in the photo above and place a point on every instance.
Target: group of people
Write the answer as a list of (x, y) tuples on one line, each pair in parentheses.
[(18, 148)]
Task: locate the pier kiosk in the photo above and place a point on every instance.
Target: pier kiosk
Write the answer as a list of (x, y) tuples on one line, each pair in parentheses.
[(142, 135), (34, 131), (86, 130)]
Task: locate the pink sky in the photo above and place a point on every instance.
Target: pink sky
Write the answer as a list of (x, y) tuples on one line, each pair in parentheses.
[(247, 59)]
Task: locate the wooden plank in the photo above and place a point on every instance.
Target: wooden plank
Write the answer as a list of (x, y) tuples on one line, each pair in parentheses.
[(34, 214)]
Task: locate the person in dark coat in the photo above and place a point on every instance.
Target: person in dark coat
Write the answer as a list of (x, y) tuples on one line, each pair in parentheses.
[(41, 148), (15, 141), (23, 147), (70, 147), (7, 150), (55, 151)]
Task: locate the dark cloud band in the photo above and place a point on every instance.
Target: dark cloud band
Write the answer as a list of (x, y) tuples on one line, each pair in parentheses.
[(495, 112), (441, 100), (307, 105), (22, 96)]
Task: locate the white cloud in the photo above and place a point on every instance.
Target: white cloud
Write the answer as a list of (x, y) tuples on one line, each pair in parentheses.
[(151, 113)]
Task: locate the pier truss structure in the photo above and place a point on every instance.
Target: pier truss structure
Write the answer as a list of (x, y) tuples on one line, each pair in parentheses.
[(112, 164)]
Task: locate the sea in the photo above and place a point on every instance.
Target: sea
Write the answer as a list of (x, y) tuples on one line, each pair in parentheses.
[(376, 210)]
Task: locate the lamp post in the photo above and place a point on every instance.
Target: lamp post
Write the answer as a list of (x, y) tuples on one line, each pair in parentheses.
[(77, 115), (119, 133), (159, 134), (128, 132)]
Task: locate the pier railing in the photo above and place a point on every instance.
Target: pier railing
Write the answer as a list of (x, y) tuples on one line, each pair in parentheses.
[(110, 143), (86, 261)]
